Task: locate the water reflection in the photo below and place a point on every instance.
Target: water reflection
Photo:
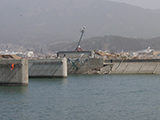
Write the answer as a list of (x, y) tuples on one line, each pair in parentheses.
[(60, 81), (11, 90)]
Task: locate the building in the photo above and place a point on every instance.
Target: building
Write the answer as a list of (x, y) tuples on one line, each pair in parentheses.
[(74, 54)]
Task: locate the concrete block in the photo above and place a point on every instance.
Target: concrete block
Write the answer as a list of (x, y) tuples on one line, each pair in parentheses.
[(150, 67), (14, 72), (48, 68)]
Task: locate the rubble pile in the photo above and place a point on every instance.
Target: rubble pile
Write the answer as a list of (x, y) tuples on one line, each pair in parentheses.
[(142, 54), (9, 57), (103, 70)]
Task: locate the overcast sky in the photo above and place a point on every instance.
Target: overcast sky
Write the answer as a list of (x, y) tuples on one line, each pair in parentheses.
[(152, 4)]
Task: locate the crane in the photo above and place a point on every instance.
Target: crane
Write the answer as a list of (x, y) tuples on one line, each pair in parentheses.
[(78, 48)]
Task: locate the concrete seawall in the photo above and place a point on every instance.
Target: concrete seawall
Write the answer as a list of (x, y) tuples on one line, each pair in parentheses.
[(83, 65), (49, 68), (61, 67), (135, 66), (14, 72)]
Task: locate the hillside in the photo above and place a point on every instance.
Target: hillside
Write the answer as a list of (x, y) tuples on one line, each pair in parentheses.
[(112, 43), (39, 22)]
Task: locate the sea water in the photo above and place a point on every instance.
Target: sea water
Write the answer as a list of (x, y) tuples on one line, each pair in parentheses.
[(84, 97)]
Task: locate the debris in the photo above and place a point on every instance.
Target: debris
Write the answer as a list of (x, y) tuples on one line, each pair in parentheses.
[(9, 57), (103, 70)]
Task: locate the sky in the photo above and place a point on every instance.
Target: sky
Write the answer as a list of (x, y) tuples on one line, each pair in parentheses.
[(151, 4)]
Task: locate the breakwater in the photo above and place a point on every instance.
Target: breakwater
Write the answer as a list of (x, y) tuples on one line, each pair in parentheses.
[(47, 68), (140, 66), (14, 72), (102, 66)]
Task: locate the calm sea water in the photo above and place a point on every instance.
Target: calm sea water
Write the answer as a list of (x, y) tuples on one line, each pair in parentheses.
[(84, 97)]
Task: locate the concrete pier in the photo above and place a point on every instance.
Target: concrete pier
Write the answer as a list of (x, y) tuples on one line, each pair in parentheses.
[(150, 66), (13, 72), (48, 68)]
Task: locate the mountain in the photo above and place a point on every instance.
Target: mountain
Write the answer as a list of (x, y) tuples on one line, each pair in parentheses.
[(111, 43), (41, 23)]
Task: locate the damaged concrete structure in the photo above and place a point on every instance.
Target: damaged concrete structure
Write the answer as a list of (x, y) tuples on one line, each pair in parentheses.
[(148, 66)]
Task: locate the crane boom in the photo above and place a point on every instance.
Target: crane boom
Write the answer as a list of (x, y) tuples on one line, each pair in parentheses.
[(78, 46)]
